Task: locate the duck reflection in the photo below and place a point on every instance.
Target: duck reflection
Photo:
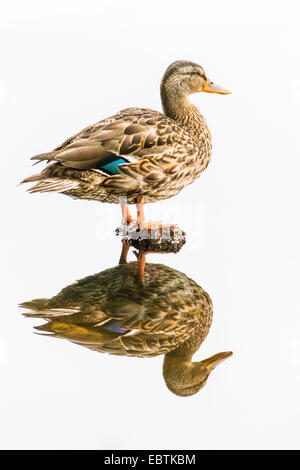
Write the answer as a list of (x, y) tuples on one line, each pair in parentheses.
[(136, 309)]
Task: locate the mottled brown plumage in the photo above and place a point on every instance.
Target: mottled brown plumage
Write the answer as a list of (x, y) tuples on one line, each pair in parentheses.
[(163, 152), (110, 312)]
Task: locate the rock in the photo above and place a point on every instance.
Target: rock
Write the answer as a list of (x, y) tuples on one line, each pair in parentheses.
[(160, 239)]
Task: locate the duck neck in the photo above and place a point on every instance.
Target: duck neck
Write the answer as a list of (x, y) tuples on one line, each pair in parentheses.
[(176, 371), (175, 361), (180, 357), (178, 107)]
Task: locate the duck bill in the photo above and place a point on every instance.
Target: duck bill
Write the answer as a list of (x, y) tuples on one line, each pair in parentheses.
[(211, 87), (216, 359)]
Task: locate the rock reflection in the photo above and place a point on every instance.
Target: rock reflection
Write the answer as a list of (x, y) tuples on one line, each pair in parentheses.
[(136, 309)]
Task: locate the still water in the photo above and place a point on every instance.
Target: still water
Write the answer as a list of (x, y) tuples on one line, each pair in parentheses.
[(137, 309)]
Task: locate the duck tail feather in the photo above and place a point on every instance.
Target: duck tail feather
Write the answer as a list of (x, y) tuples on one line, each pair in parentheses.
[(45, 156), (49, 185)]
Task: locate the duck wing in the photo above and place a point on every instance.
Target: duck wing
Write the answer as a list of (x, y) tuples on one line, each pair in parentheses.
[(127, 137), (109, 312), (122, 328)]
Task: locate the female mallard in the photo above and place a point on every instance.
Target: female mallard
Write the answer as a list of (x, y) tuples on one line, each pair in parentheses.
[(138, 155), (110, 312)]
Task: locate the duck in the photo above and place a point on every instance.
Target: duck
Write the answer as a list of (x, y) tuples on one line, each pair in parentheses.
[(110, 312), (138, 155)]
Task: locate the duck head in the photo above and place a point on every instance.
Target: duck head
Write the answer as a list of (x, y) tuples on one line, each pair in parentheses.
[(184, 377), (183, 78)]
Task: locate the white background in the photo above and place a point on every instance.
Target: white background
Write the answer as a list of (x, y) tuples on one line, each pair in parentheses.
[(67, 64)]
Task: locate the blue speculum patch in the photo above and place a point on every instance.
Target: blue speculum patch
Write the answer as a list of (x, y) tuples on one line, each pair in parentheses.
[(112, 168), (115, 327)]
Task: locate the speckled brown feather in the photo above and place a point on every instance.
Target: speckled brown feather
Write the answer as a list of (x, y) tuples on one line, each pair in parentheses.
[(169, 157), (169, 312)]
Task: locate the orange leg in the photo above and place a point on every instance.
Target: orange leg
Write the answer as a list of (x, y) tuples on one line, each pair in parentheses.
[(125, 249), (141, 259), (140, 214), (141, 222), (126, 217)]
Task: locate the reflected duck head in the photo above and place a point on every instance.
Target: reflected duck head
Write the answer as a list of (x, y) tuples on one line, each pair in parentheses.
[(185, 378)]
